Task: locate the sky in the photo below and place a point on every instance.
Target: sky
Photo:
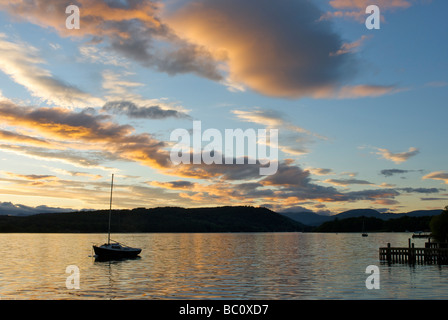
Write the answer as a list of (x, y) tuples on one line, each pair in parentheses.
[(360, 113)]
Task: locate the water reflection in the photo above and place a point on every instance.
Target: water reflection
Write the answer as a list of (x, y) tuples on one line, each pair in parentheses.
[(115, 259), (214, 266)]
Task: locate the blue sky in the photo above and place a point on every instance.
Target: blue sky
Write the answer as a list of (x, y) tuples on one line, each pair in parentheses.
[(365, 108)]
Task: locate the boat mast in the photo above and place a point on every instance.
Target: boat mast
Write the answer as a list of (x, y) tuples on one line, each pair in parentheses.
[(110, 207)]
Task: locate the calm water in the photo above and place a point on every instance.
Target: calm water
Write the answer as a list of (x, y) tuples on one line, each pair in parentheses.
[(214, 266)]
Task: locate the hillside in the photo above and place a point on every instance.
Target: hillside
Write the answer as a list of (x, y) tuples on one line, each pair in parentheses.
[(167, 219), (314, 219), (371, 224)]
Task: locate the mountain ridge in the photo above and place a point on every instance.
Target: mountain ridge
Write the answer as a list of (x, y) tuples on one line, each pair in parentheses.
[(161, 219), (314, 219)]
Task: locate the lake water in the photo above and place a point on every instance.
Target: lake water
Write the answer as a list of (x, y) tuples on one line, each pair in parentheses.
[(214, 266)]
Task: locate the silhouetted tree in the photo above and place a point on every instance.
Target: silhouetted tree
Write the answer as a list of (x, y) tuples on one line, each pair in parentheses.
[(439, 226)]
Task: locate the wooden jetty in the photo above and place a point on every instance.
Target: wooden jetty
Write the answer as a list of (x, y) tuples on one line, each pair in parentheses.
[(432, 253)]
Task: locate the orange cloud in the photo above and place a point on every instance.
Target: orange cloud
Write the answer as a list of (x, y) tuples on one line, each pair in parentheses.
[(437, 175), (94, 15), (398, 157), (363, 4), (83, 129), (355, 9), (350, 47), (130, 28), (23, 139), (280, 49)]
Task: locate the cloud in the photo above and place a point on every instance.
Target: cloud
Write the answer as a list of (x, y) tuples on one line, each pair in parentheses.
[(95, 54), (131, 110), (123, 100), (361, 91), (397, 157), (350, 47), (433, 199), (391, 172), (77, 158), (294, 138), (21, 62), (363, 4), (219, 40), (225, 171), (291, 185), (346, 182), (91, 194), (87, 131), (355, 9), (320, 171), (437, 175), (174, 185), (421, 190), (14, 137), (131, 28), (297, 49), (77, 173), (31, 176)]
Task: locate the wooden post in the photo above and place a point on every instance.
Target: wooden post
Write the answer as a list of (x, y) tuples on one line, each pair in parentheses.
[(412, 254), (388, 253)]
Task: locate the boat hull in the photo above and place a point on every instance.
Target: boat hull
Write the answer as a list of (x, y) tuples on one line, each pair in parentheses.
[(107, 252)]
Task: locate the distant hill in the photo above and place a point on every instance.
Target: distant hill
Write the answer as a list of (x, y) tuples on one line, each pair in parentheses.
[(308, 218), (167, 219), (314, 219), (371, 224)]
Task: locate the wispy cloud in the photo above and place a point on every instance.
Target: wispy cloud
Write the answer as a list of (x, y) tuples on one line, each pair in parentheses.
[(294, 139), (22, 63), (347, 182), (437, 175), (122, 99), (355, 9), (131, 110), (350, 47), (9, 136), (392, 172), (398, 157)]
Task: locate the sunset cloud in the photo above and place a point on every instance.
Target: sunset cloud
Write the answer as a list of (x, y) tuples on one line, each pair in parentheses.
[(398, 157), (84, 128), (302, 55), (131, 29), (296, 49), (9, 136), (437, 175), (347, 182), (350, 47), (356, 9)]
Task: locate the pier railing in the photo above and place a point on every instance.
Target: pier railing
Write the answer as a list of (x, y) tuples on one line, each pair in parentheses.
[(430, 255)]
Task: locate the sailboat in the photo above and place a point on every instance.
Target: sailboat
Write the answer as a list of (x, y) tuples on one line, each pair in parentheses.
[(364, 234), (113, 249)]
